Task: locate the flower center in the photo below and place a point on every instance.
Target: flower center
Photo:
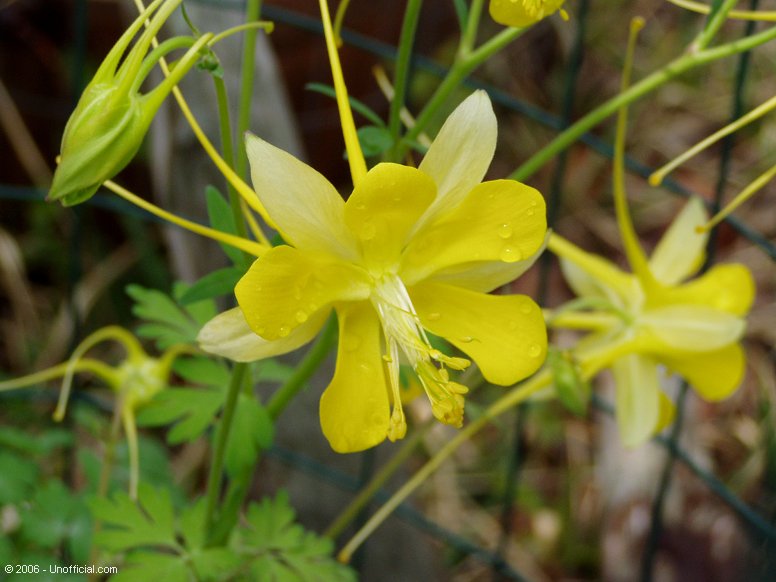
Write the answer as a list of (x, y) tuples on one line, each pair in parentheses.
[(402, 329)]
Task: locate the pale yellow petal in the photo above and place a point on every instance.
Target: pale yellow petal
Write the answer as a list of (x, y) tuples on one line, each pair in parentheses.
[(286, 287), (681, 251), (728, 288), (384, 207), (637, 398), (228, 335), (504, 334), (502, 221), (307, 209), (714, 375), (354, 408), (461, 152), (693, 328)]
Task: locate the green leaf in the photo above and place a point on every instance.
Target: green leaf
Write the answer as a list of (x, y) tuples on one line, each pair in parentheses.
[(191, 410), (573, 392), (271, 370), (374, 140), (203, 371), (252, 430), (128, 525), (55, 516), (40, 445), (143, 566), (221, 217), (169, 324), (280, 549), (215, 284), (18, 477)]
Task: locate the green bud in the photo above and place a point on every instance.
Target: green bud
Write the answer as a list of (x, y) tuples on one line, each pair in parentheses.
[(112, 117), (572, 390)]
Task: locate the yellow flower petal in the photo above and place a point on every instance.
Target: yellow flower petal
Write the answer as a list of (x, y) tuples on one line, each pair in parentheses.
[(505, 334), (729, 288), (228, 335), (485, 276), (307, 209), (681, 251), (693, 328), (637, 398), (714, 375), (461, 152), (383, 209), (286, 287), (521, 13), (501, 220), (354, 408)]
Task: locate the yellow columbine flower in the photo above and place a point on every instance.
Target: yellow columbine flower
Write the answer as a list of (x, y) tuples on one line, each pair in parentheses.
[(522, 13), (412, 251), (659, 317)]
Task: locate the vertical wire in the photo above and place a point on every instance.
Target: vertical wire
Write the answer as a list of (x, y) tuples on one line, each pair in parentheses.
[(656, 524), (518, 451)]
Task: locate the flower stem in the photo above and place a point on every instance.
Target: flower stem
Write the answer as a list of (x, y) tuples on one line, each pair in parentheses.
[(221, 440), (657, 79), (406, 42), (252, 13)]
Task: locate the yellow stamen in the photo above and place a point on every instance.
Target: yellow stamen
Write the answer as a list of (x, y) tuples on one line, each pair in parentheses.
[(763, 16), (339, 18), (249, 246), (128, 422), (95, 367), (355, 155)]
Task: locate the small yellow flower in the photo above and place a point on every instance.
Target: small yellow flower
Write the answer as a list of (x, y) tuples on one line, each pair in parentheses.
[(522, 13), (659, 317), (412, 251)]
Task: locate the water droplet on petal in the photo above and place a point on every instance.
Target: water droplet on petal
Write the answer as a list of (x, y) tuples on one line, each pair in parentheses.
[(434, 316), (467, 339), (284, 331), (301, 316), (530, 212), (360, 206), (350, 343), (510, 255), (534, 350), (297, 293), (512, 325), (368, 231), (505, 231), (525, 308)]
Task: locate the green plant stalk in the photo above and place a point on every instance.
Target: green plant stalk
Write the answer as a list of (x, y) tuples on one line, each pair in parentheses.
[(469, 36), (252, 13), (306, 368), (660, 77), (461, 69), (406, 42), (239, 485), (357, 504), (221, 440), (713, 24)]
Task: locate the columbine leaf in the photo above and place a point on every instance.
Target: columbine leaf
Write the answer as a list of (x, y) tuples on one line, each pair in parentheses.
[(145, 566), (42, 444), (222, 218), (17, 478), (215, 284), (374, 140), (281, 549), (128, 525), (169, 324)]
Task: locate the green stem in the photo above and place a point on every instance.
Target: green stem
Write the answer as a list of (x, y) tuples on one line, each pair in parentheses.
[(458, 72), (304, 370), (713, 24), (252, 13), (159, 52), (221, 440), (388, 469), (469, 36), (406, 42), (657, 79)]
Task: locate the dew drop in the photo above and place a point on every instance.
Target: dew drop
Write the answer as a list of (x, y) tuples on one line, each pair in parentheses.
[(297, 293), (467, 339), (368, 231), (505, 231), (510, 255), (534, 350), (530, 212), (434, 316), (360, 206), (525, 308), (301, 316), (284, 331), (512, 325), (261, 330), (351, 343)]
